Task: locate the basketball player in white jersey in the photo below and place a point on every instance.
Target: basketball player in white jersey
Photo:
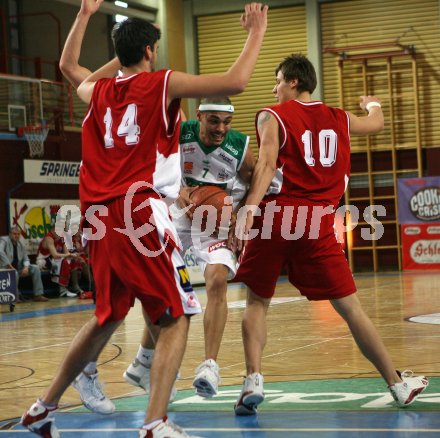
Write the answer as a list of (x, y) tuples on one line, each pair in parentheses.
[(211, 154)]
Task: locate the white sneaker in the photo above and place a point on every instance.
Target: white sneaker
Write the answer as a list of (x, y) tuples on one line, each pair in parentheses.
[(138, 374), (64, 292), (411, 387), (165, 429), (207, 379), (251, 396), (92, 394)]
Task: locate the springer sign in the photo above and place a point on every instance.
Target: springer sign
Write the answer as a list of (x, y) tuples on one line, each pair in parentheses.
[(51, 172)]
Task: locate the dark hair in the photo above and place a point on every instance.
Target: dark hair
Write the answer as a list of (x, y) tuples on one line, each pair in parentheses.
[(131, 37), (218, 100), (297, 66)]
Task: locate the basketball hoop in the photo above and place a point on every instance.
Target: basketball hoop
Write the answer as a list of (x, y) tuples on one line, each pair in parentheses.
[(35, 136)]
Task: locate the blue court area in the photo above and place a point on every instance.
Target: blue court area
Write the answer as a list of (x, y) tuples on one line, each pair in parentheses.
[(326, 424), (313, 408)]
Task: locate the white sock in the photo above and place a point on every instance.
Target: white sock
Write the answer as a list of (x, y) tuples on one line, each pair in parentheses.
[(145, 355), (90, 368), (46, 405)]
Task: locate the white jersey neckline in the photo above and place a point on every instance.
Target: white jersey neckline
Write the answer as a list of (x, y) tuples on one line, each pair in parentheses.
[(313, 102)]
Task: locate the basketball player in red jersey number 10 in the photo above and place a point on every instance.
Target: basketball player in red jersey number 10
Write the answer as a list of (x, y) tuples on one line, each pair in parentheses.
[(304, 162)]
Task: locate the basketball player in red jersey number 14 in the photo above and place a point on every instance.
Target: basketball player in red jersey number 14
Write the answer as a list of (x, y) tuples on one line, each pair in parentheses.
[(211, 154)]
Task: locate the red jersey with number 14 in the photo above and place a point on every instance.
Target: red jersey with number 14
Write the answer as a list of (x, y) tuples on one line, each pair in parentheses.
[(314, 157), (130, 135)]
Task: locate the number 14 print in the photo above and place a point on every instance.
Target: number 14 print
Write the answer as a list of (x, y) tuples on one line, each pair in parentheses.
[(128, 127)]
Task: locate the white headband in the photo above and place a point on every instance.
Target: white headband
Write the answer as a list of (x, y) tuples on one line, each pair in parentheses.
[(216, 107)]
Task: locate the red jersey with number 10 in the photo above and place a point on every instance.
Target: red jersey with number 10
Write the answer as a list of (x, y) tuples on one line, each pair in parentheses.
[(130, 135), (314, 157)]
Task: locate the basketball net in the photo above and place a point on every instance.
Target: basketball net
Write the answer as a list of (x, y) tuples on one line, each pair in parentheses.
[(35, 136)]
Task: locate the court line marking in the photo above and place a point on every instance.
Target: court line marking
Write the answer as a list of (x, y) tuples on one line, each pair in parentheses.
[(252, 429)]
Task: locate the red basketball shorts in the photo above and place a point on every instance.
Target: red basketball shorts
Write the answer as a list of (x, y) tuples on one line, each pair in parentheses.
[(131, 262), (306, 248)]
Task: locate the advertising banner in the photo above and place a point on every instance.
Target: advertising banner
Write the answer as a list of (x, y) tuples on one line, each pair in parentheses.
[(419, 214), (8, 286), (419, 200), (421, 246), (51, 172), (194, 271), (35, 217)]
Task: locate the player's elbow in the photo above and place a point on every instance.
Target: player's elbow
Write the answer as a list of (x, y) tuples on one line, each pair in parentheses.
[(83, 92), (68, 71), (65, 67), (237, 84), (80, 90), (237, 87)]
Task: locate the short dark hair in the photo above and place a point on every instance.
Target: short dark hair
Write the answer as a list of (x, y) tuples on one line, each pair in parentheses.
[(218, 100), (131, 37), (297, 66)]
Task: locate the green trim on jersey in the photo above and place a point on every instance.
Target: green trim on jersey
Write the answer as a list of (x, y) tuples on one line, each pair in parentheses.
[(235, 143)]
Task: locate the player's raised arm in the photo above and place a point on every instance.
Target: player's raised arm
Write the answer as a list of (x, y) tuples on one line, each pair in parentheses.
[(69, 61), (371, 124), (85, 90), (234, 81)]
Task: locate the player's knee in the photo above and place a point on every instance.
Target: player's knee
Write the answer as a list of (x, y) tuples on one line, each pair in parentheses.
[(216, 281)]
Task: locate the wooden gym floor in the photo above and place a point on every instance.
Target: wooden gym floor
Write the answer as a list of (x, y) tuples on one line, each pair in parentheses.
[(317, 382)]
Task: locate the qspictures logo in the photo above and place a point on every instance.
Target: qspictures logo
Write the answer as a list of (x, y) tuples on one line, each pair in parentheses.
[(425, 204), (296, 222)]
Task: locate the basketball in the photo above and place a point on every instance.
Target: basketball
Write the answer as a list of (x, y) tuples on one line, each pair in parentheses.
[(210, 196)]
